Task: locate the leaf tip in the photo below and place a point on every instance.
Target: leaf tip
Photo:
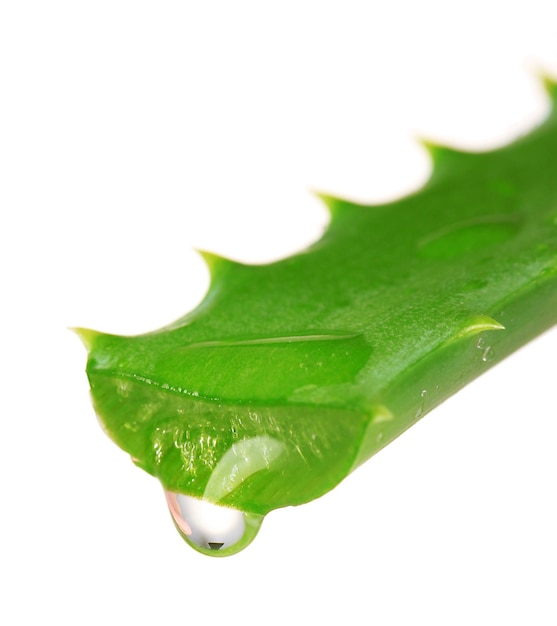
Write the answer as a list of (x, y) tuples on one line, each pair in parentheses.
[(217, 264), (444, 158), (549, 84), (381, 414), (478, 324), (439, 153), (336, 206), (330, 202), (86, 335)]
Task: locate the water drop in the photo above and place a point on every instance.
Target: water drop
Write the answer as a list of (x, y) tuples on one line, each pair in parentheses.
[(487, 354), (421, 408), (487, 351), (211, 528)]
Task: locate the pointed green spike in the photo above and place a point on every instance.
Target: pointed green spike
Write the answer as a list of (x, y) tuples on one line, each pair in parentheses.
[(476, 325), (217, 264), (550, 85), (445, 159), (440, 153), (334, 205), (86, 335)]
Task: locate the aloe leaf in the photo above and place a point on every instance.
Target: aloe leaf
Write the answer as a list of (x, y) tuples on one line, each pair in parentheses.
[(290, 375)]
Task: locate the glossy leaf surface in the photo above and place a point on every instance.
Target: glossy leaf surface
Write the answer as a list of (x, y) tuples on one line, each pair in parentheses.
[(290, 375)]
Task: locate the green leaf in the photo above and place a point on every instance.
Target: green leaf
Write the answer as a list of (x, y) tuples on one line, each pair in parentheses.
[(290, 375)]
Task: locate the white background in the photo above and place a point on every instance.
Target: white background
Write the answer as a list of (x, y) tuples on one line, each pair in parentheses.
[(132, 132)]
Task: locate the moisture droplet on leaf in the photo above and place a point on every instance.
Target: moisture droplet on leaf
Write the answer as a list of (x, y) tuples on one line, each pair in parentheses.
[(211, 528), (487, 354)]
